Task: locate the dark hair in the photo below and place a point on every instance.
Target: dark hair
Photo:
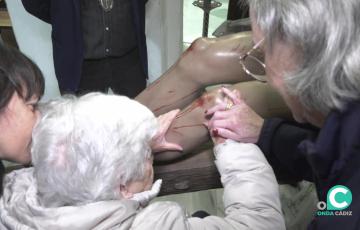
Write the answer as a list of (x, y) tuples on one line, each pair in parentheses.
[(18, 74)]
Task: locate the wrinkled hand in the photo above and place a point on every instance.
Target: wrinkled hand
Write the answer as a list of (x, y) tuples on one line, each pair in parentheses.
[(239, 123), (159, 142), (145, 197)]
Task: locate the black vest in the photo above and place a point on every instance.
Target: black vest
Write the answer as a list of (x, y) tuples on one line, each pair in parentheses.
[(107, 34)]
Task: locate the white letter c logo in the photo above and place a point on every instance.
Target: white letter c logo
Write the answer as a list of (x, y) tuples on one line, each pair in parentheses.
[(332, 198)]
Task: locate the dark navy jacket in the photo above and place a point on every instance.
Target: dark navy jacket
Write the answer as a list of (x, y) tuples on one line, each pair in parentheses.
[(328, 158), (64, 16)]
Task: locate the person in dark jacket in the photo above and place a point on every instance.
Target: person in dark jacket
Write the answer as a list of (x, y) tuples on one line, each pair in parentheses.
[(97, 44), (21, 87), (312, 59)]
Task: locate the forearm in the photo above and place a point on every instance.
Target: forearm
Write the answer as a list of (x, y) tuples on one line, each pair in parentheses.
[(251, 196)]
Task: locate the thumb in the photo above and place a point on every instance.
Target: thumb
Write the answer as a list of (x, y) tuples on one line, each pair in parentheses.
[(173, 146), (169, 146)]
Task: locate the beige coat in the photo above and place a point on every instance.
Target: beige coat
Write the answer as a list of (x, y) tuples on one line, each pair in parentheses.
[(251, 200)]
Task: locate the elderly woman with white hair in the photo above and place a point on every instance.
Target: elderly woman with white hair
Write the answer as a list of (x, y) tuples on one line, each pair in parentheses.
[(93, 170), (312, 58)]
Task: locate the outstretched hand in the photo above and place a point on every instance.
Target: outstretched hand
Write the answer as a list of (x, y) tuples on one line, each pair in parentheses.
[(159, 142), (234, 119)]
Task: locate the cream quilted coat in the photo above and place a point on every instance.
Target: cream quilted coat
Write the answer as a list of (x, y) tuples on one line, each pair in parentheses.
[(251, 200)]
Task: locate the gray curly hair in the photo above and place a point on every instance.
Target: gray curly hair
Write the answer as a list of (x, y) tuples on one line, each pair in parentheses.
[(327, 34)]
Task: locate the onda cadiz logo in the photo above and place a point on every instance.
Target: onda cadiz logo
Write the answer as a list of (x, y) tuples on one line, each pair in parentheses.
[(339, 198)]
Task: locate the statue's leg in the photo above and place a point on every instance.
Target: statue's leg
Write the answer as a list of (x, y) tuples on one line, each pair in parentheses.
[(263, 99), (188, 129), (206, 62)]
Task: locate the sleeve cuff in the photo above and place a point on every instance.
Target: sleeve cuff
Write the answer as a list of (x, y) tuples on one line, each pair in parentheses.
[(267, 132)]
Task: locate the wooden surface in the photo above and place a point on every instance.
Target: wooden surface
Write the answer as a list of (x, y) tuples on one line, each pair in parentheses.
[(195, 173), (4, 19)]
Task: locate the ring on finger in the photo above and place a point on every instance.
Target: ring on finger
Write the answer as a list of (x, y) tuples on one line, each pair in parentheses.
[(229, 105)]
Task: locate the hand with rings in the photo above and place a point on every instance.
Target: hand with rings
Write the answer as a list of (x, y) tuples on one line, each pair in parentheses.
[(233, 119)]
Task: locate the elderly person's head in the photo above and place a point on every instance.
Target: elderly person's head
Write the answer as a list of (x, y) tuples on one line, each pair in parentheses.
[(311, 52), (92, 148), (21, 87)]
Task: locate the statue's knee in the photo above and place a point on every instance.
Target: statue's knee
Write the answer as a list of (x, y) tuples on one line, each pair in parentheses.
[(200, 44), (197, 47)]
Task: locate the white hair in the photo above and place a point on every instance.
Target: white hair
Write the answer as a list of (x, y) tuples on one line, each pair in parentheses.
[(85, 148), (327, 35)]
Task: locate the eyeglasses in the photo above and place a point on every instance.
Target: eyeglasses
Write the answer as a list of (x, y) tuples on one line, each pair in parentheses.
[(252, 65)]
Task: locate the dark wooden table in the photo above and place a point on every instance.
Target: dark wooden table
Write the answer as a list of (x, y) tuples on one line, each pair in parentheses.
[(196, 172)]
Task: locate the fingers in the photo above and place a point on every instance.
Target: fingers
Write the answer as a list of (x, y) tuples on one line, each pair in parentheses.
[(227, 134), (221, 105), (166, 119), (213, 109), (222, 123), (169, 116), (224, 115), (159, 142), (168, 146), (234, 95)]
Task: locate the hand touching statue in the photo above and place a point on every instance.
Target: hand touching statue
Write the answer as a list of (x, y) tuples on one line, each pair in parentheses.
[(233, 119), (159, 142)]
